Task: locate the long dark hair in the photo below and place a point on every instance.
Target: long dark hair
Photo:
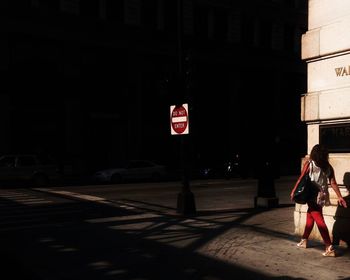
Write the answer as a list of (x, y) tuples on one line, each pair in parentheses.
[(319, 154)]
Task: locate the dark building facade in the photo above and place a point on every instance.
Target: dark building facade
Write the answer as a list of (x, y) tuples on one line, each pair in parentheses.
[(92, 82)]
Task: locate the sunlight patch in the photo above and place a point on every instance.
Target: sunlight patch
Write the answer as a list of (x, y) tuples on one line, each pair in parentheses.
[(100, 264), (116, 272), (122, 218)]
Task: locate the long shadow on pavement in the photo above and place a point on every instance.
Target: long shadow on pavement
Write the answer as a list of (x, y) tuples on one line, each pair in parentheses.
[(104, 241)]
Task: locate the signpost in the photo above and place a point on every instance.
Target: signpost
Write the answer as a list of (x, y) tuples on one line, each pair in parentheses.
[(179, 125), (179, 119)]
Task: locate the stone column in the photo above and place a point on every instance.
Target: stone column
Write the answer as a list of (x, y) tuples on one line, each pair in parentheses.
[(326, 106)]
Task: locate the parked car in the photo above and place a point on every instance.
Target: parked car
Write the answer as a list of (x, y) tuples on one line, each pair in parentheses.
[(27, 168), (131, 170)]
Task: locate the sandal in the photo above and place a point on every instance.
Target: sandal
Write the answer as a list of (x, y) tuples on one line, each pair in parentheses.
[(302, 243), (330, 252)]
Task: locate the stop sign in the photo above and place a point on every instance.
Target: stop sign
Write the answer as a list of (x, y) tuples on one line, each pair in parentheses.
[(179, 119)]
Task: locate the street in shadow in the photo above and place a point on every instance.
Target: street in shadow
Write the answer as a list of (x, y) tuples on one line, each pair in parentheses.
[(130, 240)]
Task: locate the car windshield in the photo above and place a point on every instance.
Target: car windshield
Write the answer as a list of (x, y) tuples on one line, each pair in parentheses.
[(119, 164)]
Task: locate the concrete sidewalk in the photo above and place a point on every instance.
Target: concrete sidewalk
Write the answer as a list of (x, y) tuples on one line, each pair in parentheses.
[(264, 242), (257, 243)]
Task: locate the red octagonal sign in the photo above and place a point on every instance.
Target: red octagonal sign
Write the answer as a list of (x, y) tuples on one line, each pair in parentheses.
[(179, 119)]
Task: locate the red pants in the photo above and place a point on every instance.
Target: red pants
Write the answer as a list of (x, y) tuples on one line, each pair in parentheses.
[(314, 214)]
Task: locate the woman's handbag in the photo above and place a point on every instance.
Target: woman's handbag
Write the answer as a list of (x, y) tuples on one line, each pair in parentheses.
[(305, 190), (301, 194)]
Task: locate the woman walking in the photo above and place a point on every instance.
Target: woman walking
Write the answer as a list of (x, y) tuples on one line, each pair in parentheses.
[(321, 173)]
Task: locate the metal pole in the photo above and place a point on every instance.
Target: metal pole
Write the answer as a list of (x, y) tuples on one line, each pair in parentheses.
[(179, 38), (185, 199)]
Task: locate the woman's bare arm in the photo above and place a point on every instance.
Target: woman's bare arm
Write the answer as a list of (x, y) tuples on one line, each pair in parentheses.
[(305, 169)]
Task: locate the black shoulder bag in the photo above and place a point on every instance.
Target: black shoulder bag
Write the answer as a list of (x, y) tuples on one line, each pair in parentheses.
[(305, 190)]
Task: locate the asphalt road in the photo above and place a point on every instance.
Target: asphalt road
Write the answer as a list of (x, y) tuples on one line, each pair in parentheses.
[(215, 193)]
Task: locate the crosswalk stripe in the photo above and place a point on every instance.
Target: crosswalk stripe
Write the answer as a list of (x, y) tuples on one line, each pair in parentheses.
[(23, 209)]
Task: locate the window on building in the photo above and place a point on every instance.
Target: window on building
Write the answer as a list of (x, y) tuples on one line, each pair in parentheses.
[(114, 10), (35, 3), (289, 37), (201, 23), (256, 32), (90, 8), (19, 4), (70, 6), (149, 13), (277, 36), (220, 25), (234, 27), (53, 5), (170, 16), (132, 12), (265, 28), (211, 23), (102, 9), (248, 31), (160, 15), (188, 17)]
